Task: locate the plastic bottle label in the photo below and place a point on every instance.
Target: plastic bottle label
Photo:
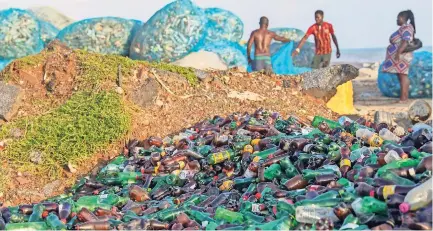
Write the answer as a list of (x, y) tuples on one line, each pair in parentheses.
[(312, 214), (105, 196), (345, 162), (255, 208), (388, 190)]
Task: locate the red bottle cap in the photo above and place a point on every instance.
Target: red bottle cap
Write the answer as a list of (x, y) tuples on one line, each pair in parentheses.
[(215, 178), (404, 207), (372, 193), (258, 196), (274, 210)]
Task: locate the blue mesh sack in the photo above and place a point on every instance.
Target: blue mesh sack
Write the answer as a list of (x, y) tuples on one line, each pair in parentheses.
[(420, 77), (106, 35), (291, 33), (231, 53), (223, 25), (4, 63), (48, 32), (171, 33), (19, 34)]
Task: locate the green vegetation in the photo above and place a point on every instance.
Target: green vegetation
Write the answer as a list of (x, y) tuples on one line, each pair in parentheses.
[(97, 68), (85, 124)]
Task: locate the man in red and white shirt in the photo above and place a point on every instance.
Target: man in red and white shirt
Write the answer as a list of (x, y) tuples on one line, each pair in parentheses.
[(322, 32)]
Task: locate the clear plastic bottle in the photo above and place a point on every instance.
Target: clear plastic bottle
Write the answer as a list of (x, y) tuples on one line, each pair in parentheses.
[(388, 135), (372, 138), (311, 214), (418, 197)]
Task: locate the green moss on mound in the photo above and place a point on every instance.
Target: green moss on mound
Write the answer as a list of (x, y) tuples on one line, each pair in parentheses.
[(86, 123), (98, 68)]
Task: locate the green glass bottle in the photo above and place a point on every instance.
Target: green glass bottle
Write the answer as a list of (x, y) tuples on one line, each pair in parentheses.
[(252, 218), (203, 150), (119, 160), (27, 226), (334, 156), (36, 215), (240, 183), (355, 146), (369, 205), (199, 216), (265, 153), (54, 222), (283, 206), (397, 164), (319, 203), (288, 168), (347, 197), (310, 174), (228, 216), (273, 172), (211, 226), (327, 195), (318, 120), (418, 155), (388, 175), (170, 214)]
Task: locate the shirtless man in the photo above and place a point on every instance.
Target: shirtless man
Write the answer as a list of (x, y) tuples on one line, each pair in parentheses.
[(262, 39)]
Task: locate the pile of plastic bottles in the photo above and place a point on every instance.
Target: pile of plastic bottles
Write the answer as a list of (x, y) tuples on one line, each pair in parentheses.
[(420, 77), (171, 33), (231, 53), (223, 25), (19, 34), (106, 35), (252, 172)]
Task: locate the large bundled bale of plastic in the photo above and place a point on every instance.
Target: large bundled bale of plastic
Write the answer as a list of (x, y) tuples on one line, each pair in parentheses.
[(420, 77), (20, 34), (105, 35), (52, 16), (291, 33), (4, 63), (231, 53), (223, 25), (171, 33), (48, 32)]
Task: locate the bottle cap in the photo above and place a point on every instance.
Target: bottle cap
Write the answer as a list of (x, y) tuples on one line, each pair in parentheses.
[(372, 193), (404, 207), (258, 196)]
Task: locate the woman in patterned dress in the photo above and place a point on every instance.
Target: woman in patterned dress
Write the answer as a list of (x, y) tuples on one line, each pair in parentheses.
[(396, 61)]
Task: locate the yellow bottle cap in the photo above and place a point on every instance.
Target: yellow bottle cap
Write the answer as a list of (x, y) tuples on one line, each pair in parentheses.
[(255, 142)]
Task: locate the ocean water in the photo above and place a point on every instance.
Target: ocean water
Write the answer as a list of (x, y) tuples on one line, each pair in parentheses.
[(368, 55)]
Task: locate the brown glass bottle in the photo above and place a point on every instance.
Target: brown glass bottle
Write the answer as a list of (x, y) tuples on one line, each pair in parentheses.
[(155, 141), (94, 225), (136, 193), (383, 192), (325, 179), (364, 189), (420, 226), (345, 164), (296, 182), (84, 215), (342, 211), (394, 200), (409, 173)]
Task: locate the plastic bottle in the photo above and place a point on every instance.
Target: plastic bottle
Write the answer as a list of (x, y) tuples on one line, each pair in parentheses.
[(418, 197), (54, 222), (318, 119), (27, 226), (368, 205), (310, 214), (373, 139), (386, 134), (228, 216)]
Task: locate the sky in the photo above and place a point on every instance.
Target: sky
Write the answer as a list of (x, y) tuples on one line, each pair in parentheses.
[(357, 23)]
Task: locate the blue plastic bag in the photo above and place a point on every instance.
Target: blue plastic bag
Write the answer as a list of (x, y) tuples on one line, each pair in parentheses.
[(171, 33), (20, 34), (106, 35), (282, 62), (223, 25), (420, 77), (4, 63), (48, 32), (231, 53)]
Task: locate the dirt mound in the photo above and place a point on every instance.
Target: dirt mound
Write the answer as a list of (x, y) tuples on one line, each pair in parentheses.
[(170, 98)]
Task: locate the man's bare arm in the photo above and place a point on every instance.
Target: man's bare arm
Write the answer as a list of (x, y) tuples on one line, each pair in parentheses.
[(334, 38), (281, 38), (250, 45), (301, 43)]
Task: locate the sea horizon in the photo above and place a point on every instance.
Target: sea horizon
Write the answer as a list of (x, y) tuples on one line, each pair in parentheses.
[(366, 55)]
